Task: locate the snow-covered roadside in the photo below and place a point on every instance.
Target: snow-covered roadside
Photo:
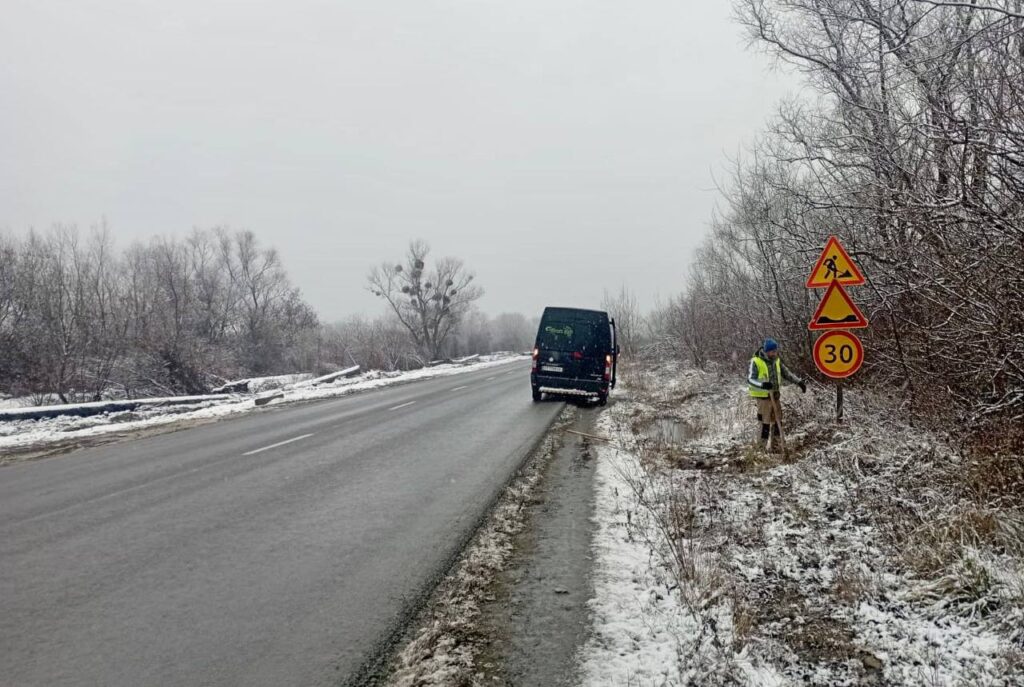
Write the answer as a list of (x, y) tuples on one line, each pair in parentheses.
[(717, 565), (637, 622), (39, 433), (655, 612)]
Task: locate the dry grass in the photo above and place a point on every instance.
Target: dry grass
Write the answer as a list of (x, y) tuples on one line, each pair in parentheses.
[(744, 622), (872, 505), (995, 478)]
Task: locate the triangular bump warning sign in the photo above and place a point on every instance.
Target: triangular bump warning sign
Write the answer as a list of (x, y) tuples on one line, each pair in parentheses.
[(837, 311), (834, 265)]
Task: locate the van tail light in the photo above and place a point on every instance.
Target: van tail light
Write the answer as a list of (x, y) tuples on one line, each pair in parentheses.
[(607, 368), (536, 357), (577, 355)]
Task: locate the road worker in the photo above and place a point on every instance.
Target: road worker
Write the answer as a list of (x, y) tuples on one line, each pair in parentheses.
[(764, 379)]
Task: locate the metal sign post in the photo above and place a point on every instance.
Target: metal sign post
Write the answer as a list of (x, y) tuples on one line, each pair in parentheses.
[(838, 353), (839, 401)]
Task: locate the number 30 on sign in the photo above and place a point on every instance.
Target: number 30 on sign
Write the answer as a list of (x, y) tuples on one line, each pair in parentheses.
[(838, 354)]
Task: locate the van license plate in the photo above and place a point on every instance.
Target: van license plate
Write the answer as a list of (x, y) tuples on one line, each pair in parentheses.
[(551, 368)]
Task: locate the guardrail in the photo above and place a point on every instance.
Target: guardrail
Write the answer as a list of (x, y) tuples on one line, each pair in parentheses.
[(101, 407)]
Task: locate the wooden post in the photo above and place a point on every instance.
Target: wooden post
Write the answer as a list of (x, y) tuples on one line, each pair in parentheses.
[(839, 401), (777, 412)]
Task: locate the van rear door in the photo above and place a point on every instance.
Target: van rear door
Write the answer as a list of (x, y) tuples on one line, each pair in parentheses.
[(573, 344), (556, 343)]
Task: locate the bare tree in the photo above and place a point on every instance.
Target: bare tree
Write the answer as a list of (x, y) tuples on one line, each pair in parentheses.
[(512, 332), (429, 300), (475, 334), (271, 310), (625, 308), (79, 320), (911, 152)]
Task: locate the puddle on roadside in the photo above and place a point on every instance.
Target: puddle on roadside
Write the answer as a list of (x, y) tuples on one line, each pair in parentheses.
[(668, 431)]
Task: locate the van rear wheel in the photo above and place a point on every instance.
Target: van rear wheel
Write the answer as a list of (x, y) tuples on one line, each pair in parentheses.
[(602, 399), (537, 396)]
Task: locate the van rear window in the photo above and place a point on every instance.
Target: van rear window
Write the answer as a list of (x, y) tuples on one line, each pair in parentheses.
[(568, 336)]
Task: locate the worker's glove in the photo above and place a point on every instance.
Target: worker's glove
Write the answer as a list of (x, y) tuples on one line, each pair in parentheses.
[(803, 387), (767, 386)]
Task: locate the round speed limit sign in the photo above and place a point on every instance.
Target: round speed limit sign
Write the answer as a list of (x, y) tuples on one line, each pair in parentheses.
[(838, 354)]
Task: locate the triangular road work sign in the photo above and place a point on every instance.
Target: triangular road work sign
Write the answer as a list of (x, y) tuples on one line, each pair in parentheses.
[(837, 311), (834, 265)]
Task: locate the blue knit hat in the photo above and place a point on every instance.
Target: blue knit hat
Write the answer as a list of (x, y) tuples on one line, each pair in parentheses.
[(770, 345)]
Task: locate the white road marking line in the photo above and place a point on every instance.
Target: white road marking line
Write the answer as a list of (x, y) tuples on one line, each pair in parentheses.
[(402, 405), (460, 388), (489, 379), (280, 443)]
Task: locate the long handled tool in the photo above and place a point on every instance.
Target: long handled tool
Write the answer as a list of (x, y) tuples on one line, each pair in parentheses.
[(778, 419)]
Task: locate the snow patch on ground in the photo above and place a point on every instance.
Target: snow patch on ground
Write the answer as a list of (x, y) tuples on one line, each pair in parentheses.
[(258, 385), (637, 621), (33, 433), (717, 564), (13, 402)]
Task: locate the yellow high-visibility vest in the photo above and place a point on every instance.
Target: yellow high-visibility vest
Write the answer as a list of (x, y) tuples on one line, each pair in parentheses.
[(762, 375)]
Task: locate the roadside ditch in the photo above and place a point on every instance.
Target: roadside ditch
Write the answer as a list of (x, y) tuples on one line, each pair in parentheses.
[(514, 608)]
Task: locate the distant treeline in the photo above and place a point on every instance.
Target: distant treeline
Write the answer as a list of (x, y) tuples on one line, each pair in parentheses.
[(80, 319), (908, 142)]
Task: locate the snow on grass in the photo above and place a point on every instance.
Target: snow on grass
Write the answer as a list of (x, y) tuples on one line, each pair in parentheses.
[(657, 618), (32, 433), (14, 402), (865, 556), (637, 621)]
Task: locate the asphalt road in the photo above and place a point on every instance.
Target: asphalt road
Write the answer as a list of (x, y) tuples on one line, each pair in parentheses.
[(280, 548)]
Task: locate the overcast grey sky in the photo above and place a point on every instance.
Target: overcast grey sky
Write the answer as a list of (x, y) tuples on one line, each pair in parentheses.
[(559, 147)]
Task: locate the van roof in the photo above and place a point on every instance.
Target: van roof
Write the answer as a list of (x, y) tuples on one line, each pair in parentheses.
[(556, 310)]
